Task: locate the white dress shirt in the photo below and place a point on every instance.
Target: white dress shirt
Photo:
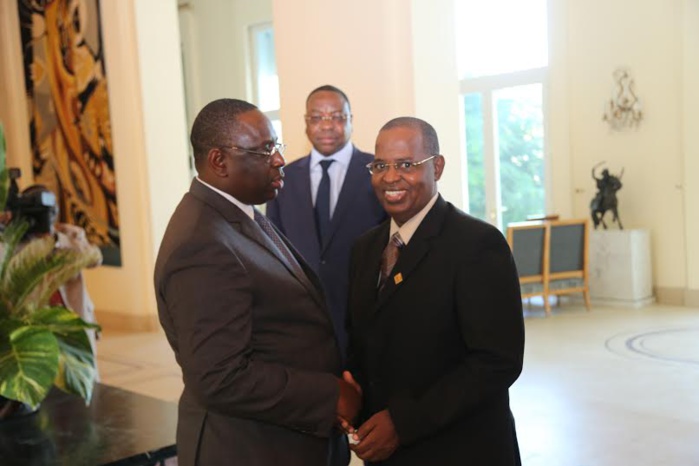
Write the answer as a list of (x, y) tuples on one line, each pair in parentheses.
[(408, 229), (248, 209), (336, 172)]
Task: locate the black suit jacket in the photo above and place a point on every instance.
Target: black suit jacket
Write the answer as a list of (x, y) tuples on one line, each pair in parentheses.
[(440, 345), (255, 342), (357, 211)]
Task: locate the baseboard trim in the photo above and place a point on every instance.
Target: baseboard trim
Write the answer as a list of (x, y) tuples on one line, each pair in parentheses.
[(625, 303), (127, 322), (691, 298), (670, 295)]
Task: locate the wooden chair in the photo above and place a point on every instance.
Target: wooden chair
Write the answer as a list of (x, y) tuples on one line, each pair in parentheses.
[(551, 258), (529, 243), (569, 258)]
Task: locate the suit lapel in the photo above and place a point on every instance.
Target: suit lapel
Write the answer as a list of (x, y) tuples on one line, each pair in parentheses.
[(247, 226), (413, 253), (370, 265), (253, 231), (301, 191), (350, 186)]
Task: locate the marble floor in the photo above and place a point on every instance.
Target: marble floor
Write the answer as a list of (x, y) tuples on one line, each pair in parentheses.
[(611, 387)]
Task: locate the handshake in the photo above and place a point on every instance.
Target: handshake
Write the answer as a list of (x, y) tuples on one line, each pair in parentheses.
[(376, 439)]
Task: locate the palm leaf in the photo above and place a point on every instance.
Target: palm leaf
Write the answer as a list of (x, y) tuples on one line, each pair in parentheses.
[(69, 263), (10, 238), (28, 364), (26, 270), (38, 270), (77, 370)]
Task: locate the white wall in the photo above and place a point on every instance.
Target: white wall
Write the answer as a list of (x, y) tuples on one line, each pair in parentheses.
[(690, 141), (382, 54), (557, 125), (436, 90), (216, 45), (149, 133), (646, 37), (363, 47), (13, 107)]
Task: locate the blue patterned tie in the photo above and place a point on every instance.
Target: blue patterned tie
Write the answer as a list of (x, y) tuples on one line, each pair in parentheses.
[(322, 208)]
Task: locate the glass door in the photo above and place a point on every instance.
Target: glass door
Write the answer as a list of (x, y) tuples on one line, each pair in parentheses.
[(503, 67), (505, 154)]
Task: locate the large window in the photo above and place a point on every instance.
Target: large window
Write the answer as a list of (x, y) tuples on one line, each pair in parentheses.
[(502, 60), (265, 80)]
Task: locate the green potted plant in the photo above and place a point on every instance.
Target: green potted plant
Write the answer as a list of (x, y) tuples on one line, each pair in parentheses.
[(40, 345)]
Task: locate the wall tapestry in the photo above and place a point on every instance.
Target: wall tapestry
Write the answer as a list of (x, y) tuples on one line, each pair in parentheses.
[(71, 135)]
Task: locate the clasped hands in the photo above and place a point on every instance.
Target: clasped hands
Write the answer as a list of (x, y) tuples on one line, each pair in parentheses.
[(376, 439)]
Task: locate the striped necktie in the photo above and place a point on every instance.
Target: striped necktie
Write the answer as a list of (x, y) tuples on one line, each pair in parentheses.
[(390, 257)]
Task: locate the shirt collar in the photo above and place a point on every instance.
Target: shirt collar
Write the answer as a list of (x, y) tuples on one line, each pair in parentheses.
[(408, 229), (248, 209), (342, 156)]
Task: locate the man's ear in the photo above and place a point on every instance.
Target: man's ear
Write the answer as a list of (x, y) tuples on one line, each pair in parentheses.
[(216, 160), (438, 167)]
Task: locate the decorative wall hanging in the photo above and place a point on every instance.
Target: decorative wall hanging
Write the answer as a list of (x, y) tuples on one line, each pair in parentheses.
[(69, 123), (624, 109)]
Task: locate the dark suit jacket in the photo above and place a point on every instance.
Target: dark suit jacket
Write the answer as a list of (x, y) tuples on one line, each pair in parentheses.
[(255, 342), (440, 348), (357, 211)]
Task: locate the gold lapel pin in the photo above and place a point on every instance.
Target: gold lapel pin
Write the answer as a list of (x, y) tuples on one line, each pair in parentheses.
[(397, 278)]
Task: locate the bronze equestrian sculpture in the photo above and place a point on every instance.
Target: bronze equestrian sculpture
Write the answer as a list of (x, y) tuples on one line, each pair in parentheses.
[(605, 199)]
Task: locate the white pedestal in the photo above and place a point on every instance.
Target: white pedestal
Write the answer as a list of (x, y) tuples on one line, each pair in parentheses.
[(620, 268)]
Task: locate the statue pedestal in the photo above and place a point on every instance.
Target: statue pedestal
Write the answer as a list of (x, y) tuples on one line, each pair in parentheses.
[(620, 268)]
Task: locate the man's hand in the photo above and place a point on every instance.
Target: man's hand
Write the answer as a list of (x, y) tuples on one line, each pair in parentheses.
[(349, 402), (378, 438)]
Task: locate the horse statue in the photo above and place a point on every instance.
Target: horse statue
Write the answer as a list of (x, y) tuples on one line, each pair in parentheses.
[(605, 199)]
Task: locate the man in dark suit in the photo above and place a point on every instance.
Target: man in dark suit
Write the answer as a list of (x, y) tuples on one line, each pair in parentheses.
[(435, 319), (243, 312), (327, 202)]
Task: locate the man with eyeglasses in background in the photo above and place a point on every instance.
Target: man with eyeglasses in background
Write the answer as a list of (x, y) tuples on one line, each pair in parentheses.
[(435, 319), (327, 201), (244, 313)]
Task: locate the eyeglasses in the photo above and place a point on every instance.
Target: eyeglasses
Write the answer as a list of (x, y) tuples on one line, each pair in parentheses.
[(403, 167), (267, 152), (336, 118)]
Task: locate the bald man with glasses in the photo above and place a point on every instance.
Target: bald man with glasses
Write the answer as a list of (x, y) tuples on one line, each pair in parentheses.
[(435, 319)]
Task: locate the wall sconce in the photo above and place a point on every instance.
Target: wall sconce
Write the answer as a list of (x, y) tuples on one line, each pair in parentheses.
[(624, 109)]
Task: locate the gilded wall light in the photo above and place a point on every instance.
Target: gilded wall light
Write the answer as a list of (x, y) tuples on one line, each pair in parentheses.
[(624, 109)]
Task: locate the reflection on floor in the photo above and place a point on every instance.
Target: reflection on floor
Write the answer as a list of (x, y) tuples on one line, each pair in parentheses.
[(611, 387)]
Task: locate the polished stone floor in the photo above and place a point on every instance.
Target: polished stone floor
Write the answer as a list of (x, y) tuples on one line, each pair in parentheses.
[(611, 387)]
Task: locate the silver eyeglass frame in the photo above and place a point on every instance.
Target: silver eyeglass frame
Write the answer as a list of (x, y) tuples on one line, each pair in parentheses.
[(410, 164)]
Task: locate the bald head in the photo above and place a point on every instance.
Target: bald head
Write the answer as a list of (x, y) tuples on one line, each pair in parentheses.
[(430, 141)]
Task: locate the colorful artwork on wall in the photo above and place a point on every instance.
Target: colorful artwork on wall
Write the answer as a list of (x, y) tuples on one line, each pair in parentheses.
[(66, 85)]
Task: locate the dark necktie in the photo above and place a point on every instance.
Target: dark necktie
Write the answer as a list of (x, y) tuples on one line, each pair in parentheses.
[(266, 226), (390, 257), (322, 209)]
